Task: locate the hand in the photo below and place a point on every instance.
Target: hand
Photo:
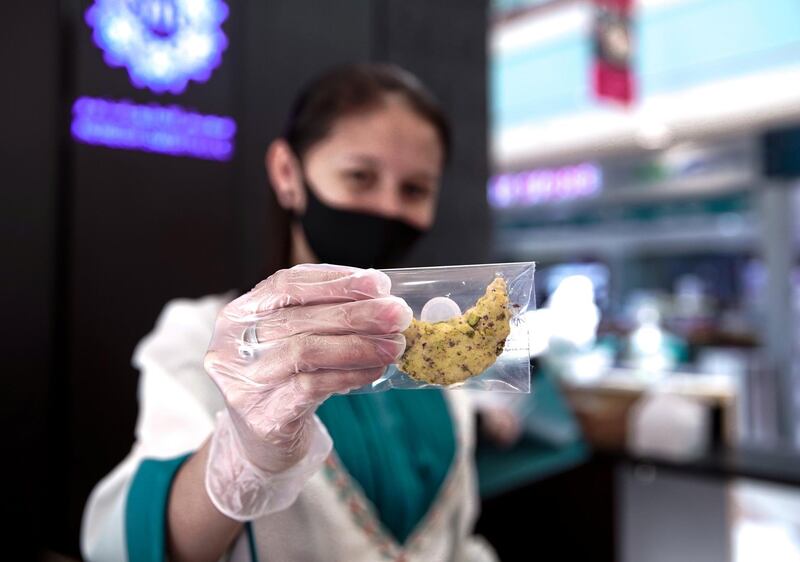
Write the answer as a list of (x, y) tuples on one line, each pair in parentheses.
[(501, 425), (278, 352)]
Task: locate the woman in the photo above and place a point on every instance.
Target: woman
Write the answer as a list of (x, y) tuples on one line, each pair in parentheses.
[(249, 446)]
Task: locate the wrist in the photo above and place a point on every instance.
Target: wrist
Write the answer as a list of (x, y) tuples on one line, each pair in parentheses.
[(243, 491)]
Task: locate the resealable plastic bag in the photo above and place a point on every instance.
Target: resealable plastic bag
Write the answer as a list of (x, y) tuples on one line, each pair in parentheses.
[(438, 294)]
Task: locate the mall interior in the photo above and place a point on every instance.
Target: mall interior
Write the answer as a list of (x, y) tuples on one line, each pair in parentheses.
[(644, 154)]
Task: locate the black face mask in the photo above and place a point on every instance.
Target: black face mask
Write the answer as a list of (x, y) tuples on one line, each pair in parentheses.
[(352, 238)]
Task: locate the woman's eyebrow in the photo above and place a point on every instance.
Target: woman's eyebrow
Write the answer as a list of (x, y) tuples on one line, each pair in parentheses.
[(425, 177), (364, 159)]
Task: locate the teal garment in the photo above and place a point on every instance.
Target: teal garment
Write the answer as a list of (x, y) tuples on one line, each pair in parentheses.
[(146, 511), (398, 446)]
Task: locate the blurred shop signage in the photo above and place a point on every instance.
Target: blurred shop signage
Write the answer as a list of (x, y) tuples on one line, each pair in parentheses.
[(612, 73), (545, 185), (152, 128), (163, 44)]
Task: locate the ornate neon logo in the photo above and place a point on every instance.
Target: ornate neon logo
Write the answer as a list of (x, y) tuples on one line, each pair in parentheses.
[(162, 43)]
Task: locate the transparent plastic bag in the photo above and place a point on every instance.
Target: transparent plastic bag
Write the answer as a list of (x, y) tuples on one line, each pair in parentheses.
[(451, 291)]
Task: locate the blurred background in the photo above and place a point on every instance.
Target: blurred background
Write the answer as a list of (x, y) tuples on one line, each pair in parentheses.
[(645, 153)]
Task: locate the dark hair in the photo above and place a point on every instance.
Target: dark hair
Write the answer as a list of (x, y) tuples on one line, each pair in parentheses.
[(354, 88)]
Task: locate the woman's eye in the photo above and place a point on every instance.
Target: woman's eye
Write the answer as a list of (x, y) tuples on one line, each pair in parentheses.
[(412, 191), (360, 178)]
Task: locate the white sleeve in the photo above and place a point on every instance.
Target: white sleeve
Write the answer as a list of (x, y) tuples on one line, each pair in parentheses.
[(178, 403)]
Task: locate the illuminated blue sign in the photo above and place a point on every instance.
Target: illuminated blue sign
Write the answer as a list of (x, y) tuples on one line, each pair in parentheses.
[(152, 128), (162, 43)]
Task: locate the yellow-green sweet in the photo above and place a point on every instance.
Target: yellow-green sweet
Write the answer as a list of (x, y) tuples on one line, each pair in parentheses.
[(454, 350)]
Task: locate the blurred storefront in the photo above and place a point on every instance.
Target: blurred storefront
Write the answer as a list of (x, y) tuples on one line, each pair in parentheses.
[(665, 236)]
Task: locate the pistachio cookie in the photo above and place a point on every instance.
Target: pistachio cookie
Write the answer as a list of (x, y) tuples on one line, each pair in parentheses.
[(454, 350)]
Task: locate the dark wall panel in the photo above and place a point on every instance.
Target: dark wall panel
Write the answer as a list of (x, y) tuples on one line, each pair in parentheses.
[(28, 156), (444, 43)]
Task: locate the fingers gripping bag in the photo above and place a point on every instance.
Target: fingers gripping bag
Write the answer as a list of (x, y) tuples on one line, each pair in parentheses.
[(469, 329)]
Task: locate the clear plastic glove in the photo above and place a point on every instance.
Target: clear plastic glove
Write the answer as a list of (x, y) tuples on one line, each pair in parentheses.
[(278, 352)]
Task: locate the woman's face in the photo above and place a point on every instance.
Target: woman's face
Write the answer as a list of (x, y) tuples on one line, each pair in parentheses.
[(387, 161)]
